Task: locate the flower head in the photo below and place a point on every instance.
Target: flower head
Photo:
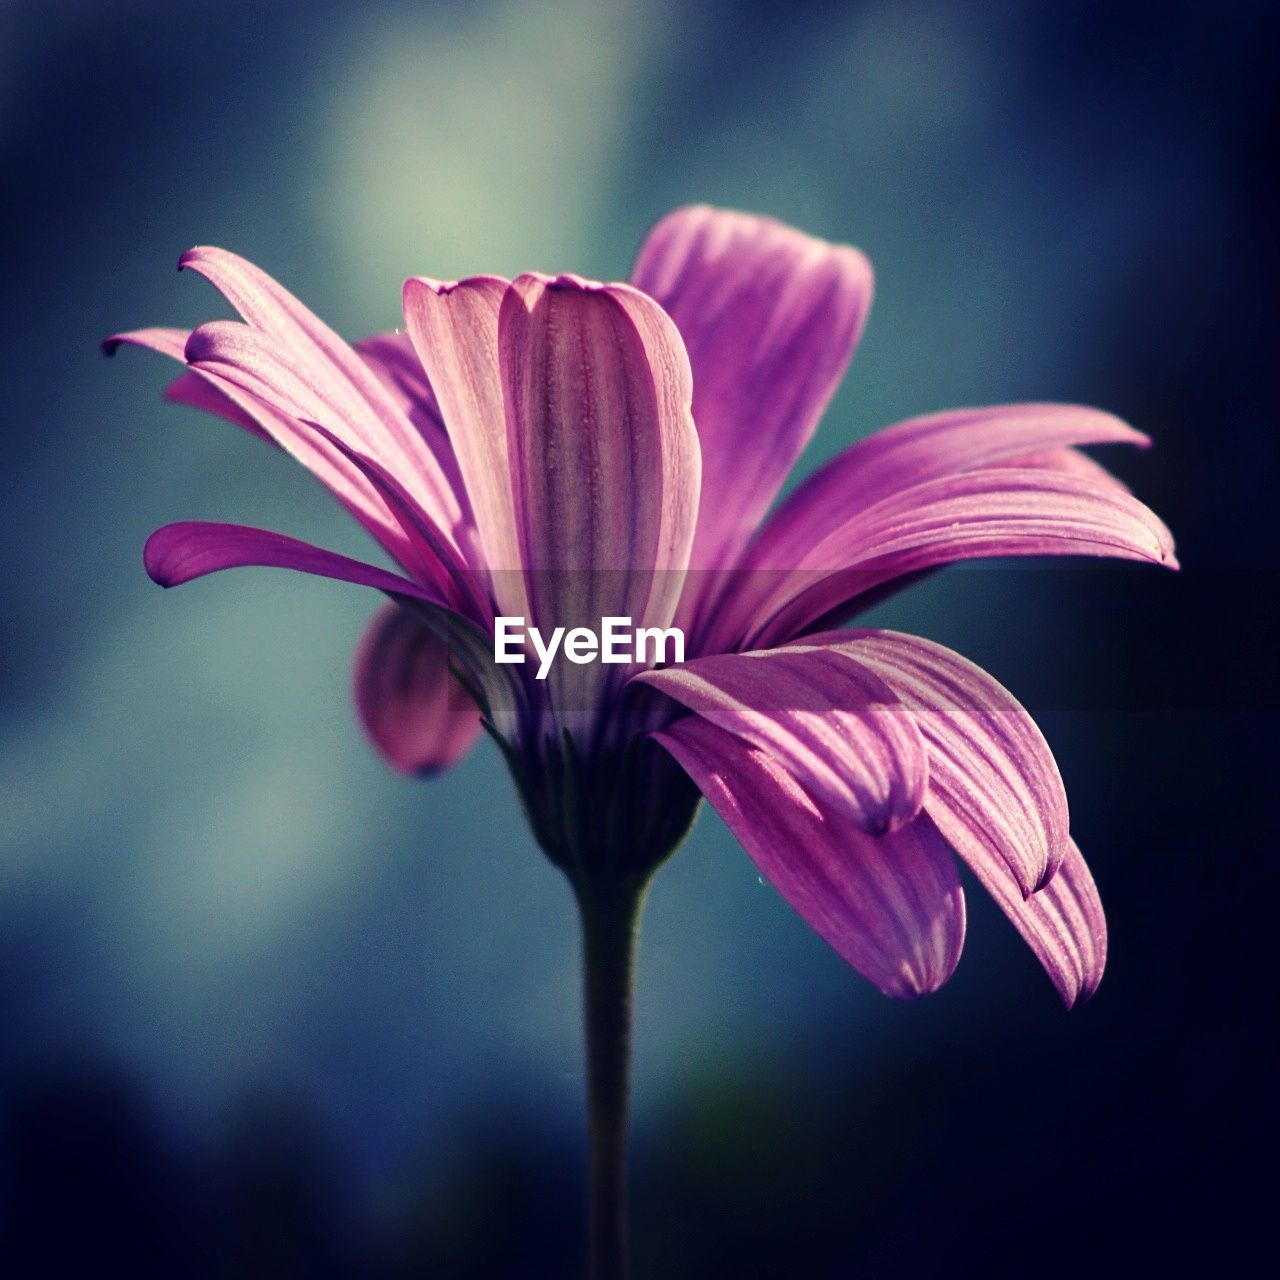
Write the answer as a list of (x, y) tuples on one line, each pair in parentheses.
[(567, 451)]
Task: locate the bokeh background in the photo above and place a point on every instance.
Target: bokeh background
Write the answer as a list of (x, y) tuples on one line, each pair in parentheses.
[(267, 1010)]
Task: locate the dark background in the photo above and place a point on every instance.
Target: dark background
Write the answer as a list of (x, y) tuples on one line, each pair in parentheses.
[(267, 1010)]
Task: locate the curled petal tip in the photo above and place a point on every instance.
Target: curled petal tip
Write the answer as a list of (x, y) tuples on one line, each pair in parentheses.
[(109, 346)]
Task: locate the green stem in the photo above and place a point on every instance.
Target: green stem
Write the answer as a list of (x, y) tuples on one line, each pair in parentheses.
[(610, 925)]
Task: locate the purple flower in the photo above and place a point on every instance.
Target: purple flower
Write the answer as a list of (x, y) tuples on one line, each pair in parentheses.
[(564, 450)]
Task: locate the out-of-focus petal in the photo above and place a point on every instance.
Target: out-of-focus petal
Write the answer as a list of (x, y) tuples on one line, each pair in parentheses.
[(833, 724), (454, 330), (1062, 923), (409, 701), (922, 449), (604, 463), (328, 381), (994, 788), (1000, 511), (890, 905), (770, 317)]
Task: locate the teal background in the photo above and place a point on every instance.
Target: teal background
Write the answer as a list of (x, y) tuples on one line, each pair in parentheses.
[(269, 1010)]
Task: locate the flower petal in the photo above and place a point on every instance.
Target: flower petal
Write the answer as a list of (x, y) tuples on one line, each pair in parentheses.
[(770, 317), (454, 330), (409, 701), (1063, 923), (190, 549), (890, 905), (994, 788), (1000, 511), (833, 724), (919, 450), (604, 462), (340, 389)]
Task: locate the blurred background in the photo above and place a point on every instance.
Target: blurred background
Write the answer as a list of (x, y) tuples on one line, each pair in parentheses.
[(269, 1011)]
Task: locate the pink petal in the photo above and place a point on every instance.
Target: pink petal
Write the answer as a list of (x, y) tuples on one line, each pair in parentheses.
[(603, 458), (770, 317), (329, 383), (190, 549), (833, 724), (1002, 511), (923, 449), (994, 788), (454, 330), (891, 906), (1062, 923), (410, 703)]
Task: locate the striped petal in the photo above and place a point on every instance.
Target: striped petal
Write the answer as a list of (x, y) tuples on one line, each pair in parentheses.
[(1001, 511), (454, 331), (770, 317), (994, 788), (891, 906), (923, 449), (409, 701), (604, 463), (833, 724)]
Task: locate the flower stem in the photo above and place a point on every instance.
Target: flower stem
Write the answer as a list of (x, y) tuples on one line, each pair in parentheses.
[(610, 926)]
